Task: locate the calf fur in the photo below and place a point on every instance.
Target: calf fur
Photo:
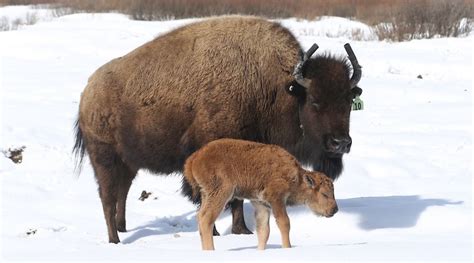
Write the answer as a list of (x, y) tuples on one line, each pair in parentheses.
[(265, 174)]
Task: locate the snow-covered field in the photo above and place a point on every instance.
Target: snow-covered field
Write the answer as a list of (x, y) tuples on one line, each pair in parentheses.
[(405, 194)]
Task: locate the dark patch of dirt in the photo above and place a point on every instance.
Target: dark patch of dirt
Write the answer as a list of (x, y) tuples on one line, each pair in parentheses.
[(15, 154), (144, 195)]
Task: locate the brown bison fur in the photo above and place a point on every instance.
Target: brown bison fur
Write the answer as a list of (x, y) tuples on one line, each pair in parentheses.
[(266, 174), (226, 77)]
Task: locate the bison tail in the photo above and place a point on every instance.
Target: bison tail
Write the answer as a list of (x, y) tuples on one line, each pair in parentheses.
[(189, 186), (79, 149)]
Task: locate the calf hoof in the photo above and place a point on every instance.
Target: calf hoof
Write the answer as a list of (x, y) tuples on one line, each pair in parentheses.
[(241, 230)]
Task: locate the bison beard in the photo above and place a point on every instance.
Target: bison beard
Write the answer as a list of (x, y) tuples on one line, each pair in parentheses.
[(310, 153), (332, 167)]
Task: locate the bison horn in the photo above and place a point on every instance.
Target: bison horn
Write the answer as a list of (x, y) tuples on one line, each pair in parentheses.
[(298, 72), (357, 74)]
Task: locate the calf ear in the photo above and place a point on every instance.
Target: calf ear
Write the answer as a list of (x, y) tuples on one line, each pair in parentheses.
[(309, 181)]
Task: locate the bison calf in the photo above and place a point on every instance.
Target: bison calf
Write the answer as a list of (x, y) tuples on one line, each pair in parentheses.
[(266, 174)]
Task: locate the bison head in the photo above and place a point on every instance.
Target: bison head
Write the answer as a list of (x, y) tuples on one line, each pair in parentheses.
[(326, 91)]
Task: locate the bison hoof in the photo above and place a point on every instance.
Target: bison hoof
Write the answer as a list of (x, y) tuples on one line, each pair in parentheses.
[(114, 241), (241, 230), (215, 233), (121, 228)]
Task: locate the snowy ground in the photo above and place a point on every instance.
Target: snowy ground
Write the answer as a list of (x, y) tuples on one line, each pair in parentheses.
[(405, 194)]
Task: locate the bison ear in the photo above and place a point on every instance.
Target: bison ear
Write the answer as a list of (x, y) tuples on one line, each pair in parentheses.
[(356, 91), (309, 181), (296, 89)]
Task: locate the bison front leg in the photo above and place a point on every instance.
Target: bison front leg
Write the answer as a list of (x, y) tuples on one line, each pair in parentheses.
[(238, 221)]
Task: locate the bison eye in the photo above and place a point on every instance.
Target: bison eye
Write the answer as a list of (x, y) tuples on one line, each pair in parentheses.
[(325, 195)]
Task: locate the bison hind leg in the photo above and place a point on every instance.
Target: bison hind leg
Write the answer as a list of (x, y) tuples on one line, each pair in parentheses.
[(123, 188), (114, 178)]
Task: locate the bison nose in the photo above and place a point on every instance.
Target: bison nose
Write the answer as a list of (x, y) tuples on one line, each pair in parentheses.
[(341, 144)]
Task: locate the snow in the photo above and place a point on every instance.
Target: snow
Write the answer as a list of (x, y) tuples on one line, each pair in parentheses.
[(405, 194), (331, 27)]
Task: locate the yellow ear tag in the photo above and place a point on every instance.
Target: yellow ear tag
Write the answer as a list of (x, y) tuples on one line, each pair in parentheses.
[(357, 104)]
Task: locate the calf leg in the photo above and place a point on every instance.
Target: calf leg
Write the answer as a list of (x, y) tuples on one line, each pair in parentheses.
[(211, 206), (238, 221), (262, 217), (283, 222)]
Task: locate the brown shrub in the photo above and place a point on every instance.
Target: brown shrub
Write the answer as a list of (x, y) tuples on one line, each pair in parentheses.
[(4, 23), (396, 20), (426, 19)]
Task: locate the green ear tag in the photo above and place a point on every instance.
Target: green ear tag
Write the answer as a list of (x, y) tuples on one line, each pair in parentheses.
[(357, 104)]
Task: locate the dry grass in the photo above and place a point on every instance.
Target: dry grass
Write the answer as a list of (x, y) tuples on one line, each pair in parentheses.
[(396, 20), (427, 19), (7, 24), (4, 24)]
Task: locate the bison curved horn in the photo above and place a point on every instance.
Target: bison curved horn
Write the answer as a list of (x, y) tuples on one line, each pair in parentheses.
[(357, 74), (298, 72)]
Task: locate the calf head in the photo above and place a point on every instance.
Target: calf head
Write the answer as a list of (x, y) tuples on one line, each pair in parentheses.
[(319, 191)]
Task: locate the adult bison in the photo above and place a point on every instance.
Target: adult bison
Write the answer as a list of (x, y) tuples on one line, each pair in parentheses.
[(235, 77)]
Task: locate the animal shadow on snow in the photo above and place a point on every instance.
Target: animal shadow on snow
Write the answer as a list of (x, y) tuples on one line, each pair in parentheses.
[(181, 223), (269, 246), (162, 226), (374, 213), (389, 211)]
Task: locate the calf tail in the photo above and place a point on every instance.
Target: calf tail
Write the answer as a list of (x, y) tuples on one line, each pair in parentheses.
[(79, 149), (189, 186)]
